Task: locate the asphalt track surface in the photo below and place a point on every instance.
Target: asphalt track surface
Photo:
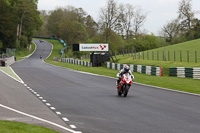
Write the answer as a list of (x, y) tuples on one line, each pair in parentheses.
[(91, 103)]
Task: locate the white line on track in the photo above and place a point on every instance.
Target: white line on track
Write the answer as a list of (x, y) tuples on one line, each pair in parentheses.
[(52, 108), (48, 104), (58, 113), (65, 119), (40, 119), (72, 126)]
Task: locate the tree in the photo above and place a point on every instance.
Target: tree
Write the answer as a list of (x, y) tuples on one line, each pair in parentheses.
[(197, 29), (108, 18), (138, 20), (126, 17), (186, 15), (91, 26), (8, 25), (73, 32), (171, 30), (28, 17)]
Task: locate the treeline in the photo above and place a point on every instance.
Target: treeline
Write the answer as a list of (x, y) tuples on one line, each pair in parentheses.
[(120, 25), (183, 28), (18, 21)]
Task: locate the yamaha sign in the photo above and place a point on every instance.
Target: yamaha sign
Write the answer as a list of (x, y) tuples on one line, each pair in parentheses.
[(91, 47)]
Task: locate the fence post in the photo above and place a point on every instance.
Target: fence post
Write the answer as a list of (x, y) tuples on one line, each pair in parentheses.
[(174, 56), (157, 55), (135, 55), (152, 55), (163, 56), (147, 55), (195, 56), (180, 56), (139, 55), (168, 56), (143, 55), (188, 57)]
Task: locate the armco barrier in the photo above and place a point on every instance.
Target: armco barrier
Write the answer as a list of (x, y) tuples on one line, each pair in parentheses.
[(77, 62), (157, 71), (184, 72)]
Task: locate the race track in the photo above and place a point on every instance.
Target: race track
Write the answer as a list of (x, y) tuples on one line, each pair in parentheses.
[(91, 103)]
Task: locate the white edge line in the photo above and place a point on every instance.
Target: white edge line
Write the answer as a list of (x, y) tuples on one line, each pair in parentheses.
[(16, 75), (40, 119), (58, 113), (133, 83), (12, 77), (72, 126), (65, 119), (51, 49)]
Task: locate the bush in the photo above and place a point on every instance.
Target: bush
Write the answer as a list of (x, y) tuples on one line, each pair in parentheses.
[(23, 41)]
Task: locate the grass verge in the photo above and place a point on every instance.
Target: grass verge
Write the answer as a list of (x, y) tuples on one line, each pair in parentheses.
[(21, 54), (17, 127), (9, 72)]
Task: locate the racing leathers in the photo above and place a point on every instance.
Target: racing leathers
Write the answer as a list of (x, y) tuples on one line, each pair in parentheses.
[(119, 75)]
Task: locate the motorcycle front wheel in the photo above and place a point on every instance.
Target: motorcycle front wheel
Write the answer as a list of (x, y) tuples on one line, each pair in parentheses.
[(125, 92)]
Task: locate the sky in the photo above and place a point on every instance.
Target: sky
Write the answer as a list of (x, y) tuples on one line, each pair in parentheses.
[(159, 12)]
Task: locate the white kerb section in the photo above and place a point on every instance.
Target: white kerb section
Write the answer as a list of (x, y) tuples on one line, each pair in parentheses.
[(131, 67), (157, 71), (181, 72), (196, 73), (108, 64), (113, 66), (139, 68), (118, 66), (148, 70)]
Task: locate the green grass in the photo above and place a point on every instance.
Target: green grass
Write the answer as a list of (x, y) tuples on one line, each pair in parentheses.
[(22, 53), (181, 84), (9, 72), (17, 127), (165, 64), (168, 52)]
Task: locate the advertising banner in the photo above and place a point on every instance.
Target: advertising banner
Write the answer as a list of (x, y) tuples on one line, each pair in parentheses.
[(93, 47)]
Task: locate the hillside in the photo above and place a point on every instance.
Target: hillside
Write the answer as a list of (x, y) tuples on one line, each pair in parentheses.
[(146, 57)]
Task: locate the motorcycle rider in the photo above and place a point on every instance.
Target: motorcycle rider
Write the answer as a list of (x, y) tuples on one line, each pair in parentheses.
[(126, 69)]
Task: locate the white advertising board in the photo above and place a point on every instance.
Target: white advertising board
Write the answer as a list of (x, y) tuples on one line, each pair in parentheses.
[(93, 47)]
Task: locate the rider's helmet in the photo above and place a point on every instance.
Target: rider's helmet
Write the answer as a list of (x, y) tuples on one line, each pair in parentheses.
[(126, 68)]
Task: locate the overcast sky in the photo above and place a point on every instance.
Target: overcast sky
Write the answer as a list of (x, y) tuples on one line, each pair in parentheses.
[(159, 11)]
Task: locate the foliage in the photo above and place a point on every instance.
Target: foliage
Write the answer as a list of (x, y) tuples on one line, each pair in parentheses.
[(146, 42), (23, 42), (18, 16), (185, 27), (8, 25)]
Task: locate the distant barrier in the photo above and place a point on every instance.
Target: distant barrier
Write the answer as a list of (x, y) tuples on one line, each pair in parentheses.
[(184, 72), (150, 70), (7, 61), (73, 61)]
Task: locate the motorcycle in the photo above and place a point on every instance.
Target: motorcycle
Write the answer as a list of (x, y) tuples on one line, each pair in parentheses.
[(124, 84)]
